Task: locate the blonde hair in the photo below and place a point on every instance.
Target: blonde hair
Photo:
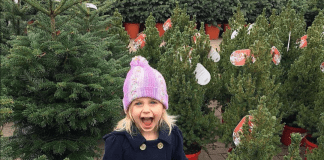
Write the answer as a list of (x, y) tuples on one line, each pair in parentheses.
[(127, 122)]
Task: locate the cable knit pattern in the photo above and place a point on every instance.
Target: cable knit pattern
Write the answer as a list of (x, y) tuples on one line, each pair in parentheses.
[(144, 81)]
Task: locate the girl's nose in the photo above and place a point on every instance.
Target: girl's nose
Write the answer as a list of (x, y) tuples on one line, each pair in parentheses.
[(146, 108)]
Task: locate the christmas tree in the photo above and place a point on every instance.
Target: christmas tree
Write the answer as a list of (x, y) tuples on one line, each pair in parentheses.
[(65, 82), (303, 86), (261, 142), (244, 85)]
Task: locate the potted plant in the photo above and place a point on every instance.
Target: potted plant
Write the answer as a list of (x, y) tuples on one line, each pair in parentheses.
[(286, 30), (243, 85), (302, 88), (134, 13)]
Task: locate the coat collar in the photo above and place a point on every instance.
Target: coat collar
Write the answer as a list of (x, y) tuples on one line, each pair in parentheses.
[(136, 140)]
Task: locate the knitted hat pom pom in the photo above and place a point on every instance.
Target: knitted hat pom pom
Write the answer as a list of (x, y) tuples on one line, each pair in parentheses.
[(139, 61)]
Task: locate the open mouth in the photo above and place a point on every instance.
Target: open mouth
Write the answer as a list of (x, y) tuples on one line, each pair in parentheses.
[(147, 121)]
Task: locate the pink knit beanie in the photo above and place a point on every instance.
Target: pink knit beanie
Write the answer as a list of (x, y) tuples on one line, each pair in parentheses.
[(144, 81)]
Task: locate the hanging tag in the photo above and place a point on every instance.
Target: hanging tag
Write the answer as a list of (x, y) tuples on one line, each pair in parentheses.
[(214, 55), (196, 35), (322, 67), (250, 27), (162, 44), (139, 41), (238, 57), (288, 41), (90, 5), (16, 1), (202, 75), (239, 128), (276, 57), (234, 34), (167, 24), (303, 41)]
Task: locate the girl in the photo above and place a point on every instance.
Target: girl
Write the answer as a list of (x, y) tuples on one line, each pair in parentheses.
[(147, 132)]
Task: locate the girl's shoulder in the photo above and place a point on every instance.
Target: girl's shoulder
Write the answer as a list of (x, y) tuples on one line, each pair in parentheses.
[(115, 135), (176, 130)]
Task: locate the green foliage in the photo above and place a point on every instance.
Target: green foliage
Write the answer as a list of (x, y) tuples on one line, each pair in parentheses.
[(293, 149), (264, 140), (318, 153), (134, 11), (151, 51), (303, 85), (243, 86), (66, 87)]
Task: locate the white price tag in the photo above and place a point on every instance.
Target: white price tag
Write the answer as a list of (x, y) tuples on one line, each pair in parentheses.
[(250, 27), (322, 67), (214, 55), (234, 34), (202, 75), (90, 5)]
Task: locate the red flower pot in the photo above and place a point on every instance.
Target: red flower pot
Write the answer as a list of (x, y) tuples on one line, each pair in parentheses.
[(309, 145), (212, 31), (132, 29), (285, 138), (226, 26), (159, 26), (193, 156)]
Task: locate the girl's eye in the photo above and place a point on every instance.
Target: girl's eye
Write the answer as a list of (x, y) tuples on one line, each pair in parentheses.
[(153, 102), (138, 103)]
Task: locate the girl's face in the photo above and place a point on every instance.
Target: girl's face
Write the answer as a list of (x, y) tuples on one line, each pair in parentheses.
[(146, 113)]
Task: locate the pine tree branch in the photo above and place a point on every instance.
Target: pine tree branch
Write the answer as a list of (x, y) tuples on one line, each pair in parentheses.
[(42, 26), (82, 10), (58, 25), (63, 8), (59, 7), (37, 6)]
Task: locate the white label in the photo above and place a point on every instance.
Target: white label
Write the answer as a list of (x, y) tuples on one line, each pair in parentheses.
[(288, 41), (90, 5), (250, 27), (234, 34), (322, 67), (202, 75), (214, 55), (16, 1)]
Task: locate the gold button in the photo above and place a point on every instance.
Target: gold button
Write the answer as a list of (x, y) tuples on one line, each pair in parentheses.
[(160, 145), (143, 147)]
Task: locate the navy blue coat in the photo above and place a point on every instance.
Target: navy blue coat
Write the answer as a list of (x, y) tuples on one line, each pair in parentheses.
[(120, 145)]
